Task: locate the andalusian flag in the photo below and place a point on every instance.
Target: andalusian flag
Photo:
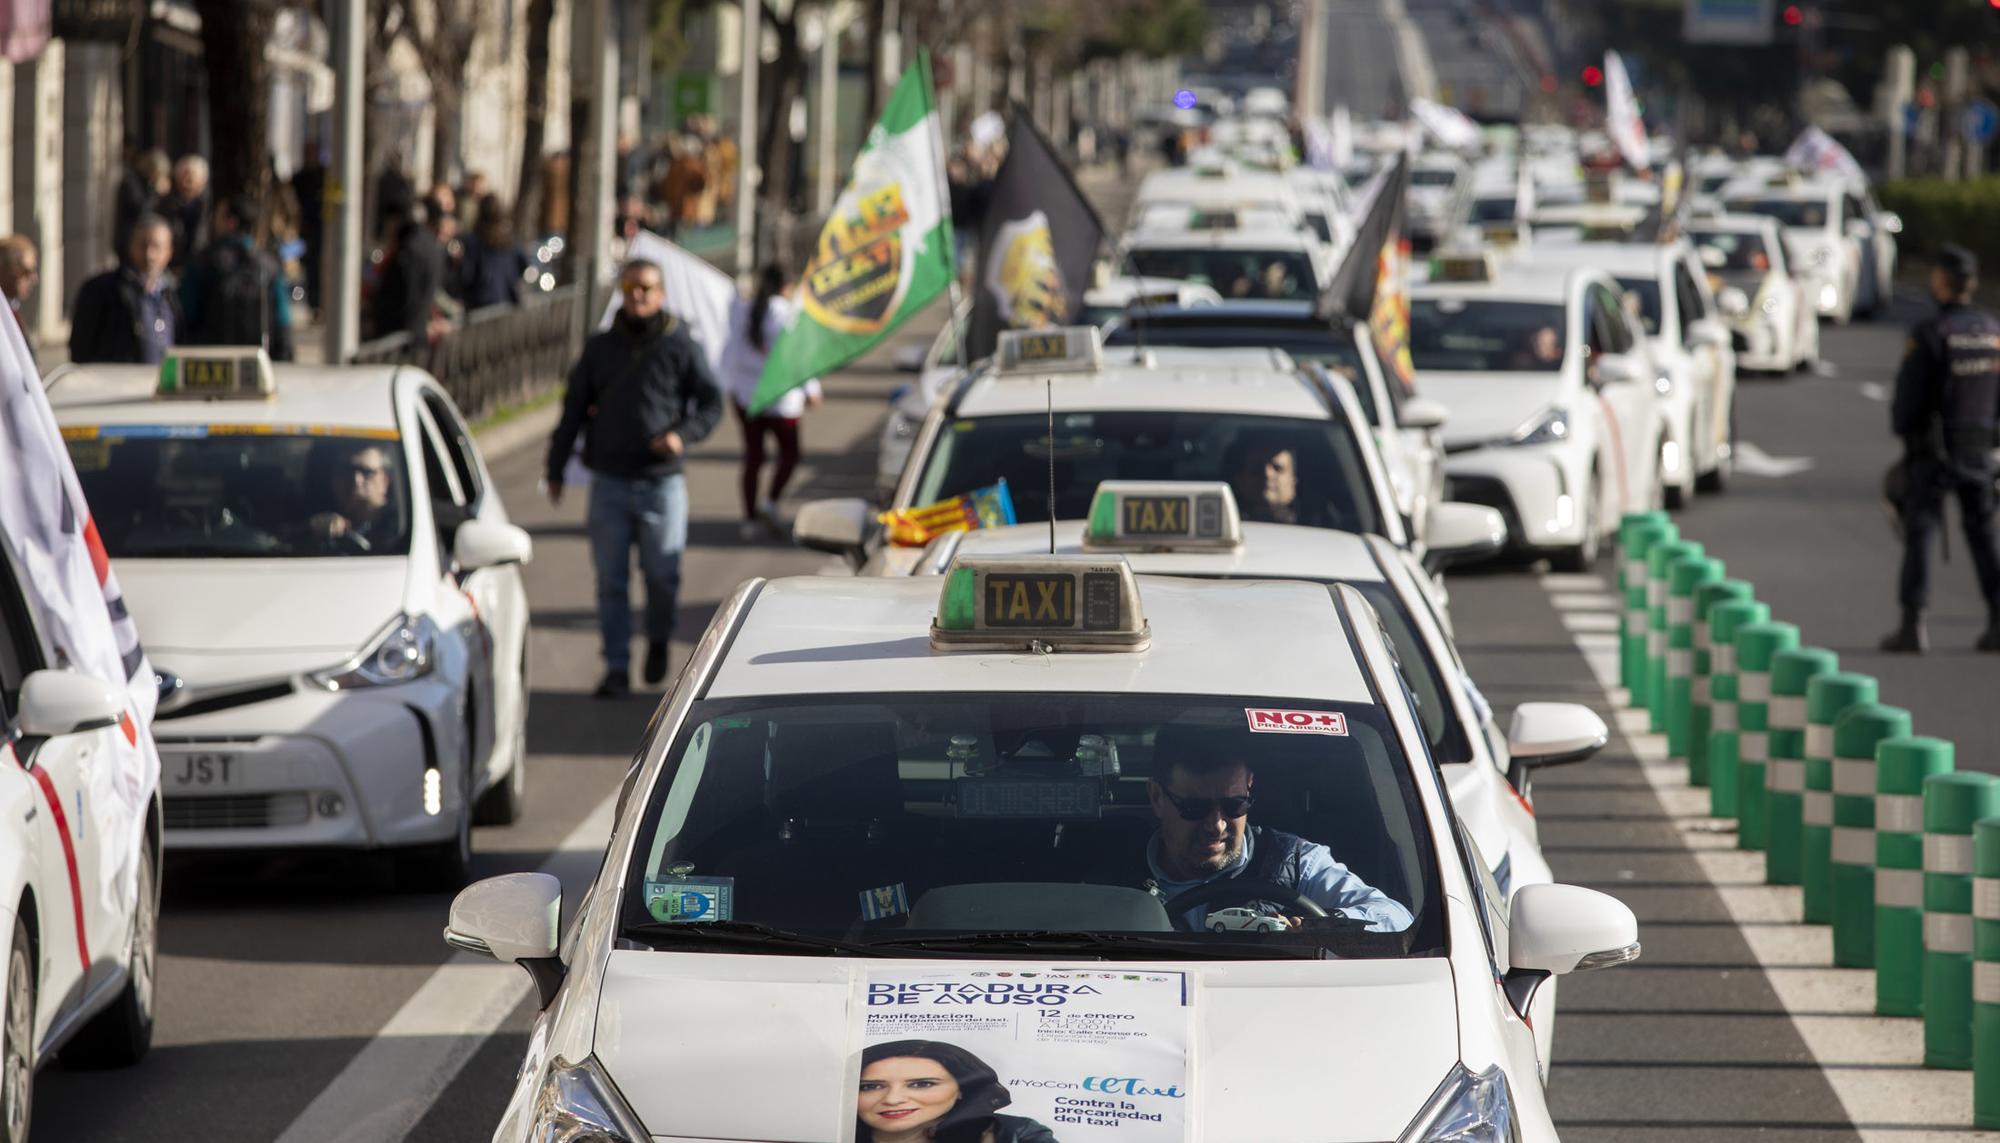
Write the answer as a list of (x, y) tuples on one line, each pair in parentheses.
[(886, 249)]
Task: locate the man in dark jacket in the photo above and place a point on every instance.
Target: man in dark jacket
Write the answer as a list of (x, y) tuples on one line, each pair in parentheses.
[(131, 314), (232, 293), (640, 395), (412, 274)]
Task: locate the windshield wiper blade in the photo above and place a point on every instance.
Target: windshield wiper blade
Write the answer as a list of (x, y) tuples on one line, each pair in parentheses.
[(748, 934), (1135, 946)]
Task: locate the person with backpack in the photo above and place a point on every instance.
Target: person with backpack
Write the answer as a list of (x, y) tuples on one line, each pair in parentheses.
[(232, 293)]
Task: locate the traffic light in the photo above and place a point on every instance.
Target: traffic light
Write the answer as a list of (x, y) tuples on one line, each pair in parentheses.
[(1793, 16), (1593, 75)]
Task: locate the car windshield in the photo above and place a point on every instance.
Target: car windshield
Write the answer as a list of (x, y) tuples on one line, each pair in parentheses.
[(205, 492), (1232, 273), (1432, 178), (1475, 336), (1321, 344), (1788, 211), (1285, 470), (899, 824), (1497, 209), (1743, 253), (1642, 300)]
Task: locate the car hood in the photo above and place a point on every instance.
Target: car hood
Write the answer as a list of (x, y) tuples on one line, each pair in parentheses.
[(693, 1043), (223, 621), (1488, 406)]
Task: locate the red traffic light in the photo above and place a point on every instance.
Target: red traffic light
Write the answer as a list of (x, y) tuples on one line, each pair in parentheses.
[(1592, 75), (1794, 17)]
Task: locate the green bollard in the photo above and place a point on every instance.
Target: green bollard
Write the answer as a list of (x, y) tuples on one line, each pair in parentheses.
[(1685, 576), (1853, 869), (1986, 973), (1756, 646), (1638, 532), (1901, 766), (1785, 774), (1827, 697), (1659, 558), (1723, 623), (1707, 598), (1952, 802)]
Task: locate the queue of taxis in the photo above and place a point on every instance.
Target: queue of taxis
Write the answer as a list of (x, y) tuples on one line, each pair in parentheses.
[(1774, 326), (329, 588), (1055, 789)]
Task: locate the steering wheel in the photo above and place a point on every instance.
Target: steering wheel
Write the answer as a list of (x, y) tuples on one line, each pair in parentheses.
[(1240, 891)]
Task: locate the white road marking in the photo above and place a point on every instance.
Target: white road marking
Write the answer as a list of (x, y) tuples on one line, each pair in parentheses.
[(1587, 601), (391, 1083), (1874, 391), (1592, 621), (1754, 461), (1874, 1064)]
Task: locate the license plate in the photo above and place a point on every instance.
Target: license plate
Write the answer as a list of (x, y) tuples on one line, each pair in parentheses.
[(203, 770)]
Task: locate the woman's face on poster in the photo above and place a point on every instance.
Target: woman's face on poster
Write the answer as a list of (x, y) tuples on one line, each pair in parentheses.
[(903, 1093)]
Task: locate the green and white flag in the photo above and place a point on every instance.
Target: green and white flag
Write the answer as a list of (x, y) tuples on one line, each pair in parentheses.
[(884, 253)]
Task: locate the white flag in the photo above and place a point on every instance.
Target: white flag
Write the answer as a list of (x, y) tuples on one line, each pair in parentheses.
[(1621, 114), (78, 607), (697, 293), (1450, 126), (1815, 150)]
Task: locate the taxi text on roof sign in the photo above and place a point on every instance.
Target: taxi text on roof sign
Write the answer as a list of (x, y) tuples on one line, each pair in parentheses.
[(1472, 266), (1076, 348), (215, 373), (1163, 515), (1054, 603)]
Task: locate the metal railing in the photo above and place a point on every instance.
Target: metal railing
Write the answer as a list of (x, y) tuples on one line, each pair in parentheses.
[(499, 355)]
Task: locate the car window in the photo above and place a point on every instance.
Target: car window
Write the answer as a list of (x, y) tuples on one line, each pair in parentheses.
[(1800, 213), (1285, 469), (1688, 296), (458, 447), (1614, 334), (885, 818), (1280, 274), (221, 491), (1641, 299), (1477, 335)]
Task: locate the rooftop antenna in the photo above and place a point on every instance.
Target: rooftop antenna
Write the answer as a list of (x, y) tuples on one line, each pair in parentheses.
[(1049, 391)]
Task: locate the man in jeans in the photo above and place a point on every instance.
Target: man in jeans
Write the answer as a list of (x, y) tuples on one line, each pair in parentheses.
[(640, 395)]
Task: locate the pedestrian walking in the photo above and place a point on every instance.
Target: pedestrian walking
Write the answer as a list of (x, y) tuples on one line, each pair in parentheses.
[(141, 192), (131, 314), (754, 326), (494, 264), (411, 275), (1946, 409), (188, 209), (639, 395), (232, 292)]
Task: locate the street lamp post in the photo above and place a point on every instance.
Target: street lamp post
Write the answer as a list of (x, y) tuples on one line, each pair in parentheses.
[(341, 289)]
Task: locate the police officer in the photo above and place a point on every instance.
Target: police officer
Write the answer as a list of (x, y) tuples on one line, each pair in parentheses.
[(1946, 408)]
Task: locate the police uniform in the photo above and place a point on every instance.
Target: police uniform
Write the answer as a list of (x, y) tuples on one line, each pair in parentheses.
[(1946, 407)]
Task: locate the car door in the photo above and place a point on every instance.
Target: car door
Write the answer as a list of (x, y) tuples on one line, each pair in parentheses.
[(1714, 368), (1629, 406), (453, 605)]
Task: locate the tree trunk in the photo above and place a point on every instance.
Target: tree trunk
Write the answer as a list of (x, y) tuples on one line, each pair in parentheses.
[(447, 119), (871, 100), (779, 89), (233, 36), (528, 195)]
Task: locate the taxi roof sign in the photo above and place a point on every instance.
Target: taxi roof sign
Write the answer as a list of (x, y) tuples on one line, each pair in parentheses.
[(1163, 516), (1040, 603), (216, 373), (1464, 266), (1066, 349)]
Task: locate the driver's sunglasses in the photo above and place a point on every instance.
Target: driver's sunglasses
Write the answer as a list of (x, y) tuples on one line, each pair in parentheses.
[(367, 471), (1199, 809), (634, 289)]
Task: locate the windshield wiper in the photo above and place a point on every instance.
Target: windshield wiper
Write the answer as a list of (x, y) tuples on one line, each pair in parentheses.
[(1130, 946), (747, 934)]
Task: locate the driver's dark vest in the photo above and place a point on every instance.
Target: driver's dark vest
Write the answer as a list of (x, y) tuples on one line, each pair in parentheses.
[(1275, 856)]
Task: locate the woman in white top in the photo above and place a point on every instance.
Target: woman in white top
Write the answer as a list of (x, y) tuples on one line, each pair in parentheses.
[(753, 328)]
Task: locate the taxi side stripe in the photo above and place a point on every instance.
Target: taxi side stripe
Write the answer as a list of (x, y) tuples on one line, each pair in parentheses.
[(54, 800)]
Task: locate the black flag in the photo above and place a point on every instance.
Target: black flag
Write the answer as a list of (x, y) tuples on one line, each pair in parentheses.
[(1353, 288), (1037, 242)]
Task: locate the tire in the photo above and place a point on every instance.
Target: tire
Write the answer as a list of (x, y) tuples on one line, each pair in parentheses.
[(1717, 479), (1579, 557), (17, 1040), (120, 1035)]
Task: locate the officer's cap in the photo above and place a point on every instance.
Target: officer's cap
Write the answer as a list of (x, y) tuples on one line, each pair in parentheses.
[(1957, 261)]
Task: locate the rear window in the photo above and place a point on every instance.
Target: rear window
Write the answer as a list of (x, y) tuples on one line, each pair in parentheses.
[(1473, 336)]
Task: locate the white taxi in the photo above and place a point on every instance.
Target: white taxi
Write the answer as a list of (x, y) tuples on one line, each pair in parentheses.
[(1055, 413), (1237, 256), (1824, 252), (1555, 414), (911, 836), (1666, 283), (326, 578), (1773, 325)]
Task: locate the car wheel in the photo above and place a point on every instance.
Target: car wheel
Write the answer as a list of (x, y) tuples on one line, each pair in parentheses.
[(1717, 479), (120, 1035), (1217, 927), (17, 1040), (1582, 555)]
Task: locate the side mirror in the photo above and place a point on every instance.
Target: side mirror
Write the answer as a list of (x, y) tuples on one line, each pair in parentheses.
[(485, 544), (1456, 532), (1890, 222), (910, 358), (1619, 369), (1423, 413), (1560, 929), (1733, 301), (1703, 333), (1551, 733), (1858, 229), (836, 526), (55, 703), (516, 917)]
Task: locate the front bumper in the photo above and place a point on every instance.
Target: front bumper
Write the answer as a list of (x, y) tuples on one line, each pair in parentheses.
[(316, 769), (1528, 486)]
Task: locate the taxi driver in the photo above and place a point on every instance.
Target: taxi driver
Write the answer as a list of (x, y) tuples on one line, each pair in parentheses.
[(1201, 793), (1264, 475), (361, 484)]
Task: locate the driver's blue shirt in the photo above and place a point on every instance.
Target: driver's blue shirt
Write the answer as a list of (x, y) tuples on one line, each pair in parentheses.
[(1322, 880)]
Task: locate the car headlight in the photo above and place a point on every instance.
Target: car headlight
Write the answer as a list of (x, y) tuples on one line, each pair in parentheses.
[(579, 1104), (1467, 1109), (404, 650), (1663, 384), (1548, 428)]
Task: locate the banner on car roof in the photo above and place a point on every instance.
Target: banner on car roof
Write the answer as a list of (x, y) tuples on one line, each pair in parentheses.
[(78, 609)]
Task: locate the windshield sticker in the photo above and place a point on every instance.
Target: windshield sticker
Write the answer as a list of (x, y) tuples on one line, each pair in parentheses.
[(1084, 1057), (198, 432), (688, 902), (884, 903), (1269, 720), (1038, 798), (90, 455)]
